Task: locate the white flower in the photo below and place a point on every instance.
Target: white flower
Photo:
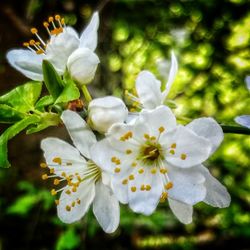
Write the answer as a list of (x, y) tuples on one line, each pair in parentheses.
[(62, 49), (155, 159), (84, 182), (148, 87), (104, 112)]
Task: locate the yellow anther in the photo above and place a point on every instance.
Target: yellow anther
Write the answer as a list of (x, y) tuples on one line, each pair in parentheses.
[(57, 202), (117, 162), (125, 181), (131, 177), (117, 170), (73, 203), (142, 188), (43, 165), (153, 171), (171, 151), (183, 156), (132, 110), (173, 145), (122, 138), (63, 174), (141, 171), (68, 192), (56, 182), (78, 201), (163, 170), (33, 30), (25, 44), (113, 159), (57, 17), (169, 185), (68, 208), (148, 187), (133, 189), (164, 196), (39, 52), (50, 19), (32, 42), (52, 170), (46, 24), (62, 21), (57, 160), (53, 192), (128, 151), (56, 31), (45, 177), (161, 129), (74, 189), (79, 178), (146, 136), (152, 138), (134, 164), (69, 163)]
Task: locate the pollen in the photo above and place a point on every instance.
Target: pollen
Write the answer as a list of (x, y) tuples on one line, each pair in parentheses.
[(57, 160), (56, 182), (133, 189), (117, 170), (32, 42), (148, 187), (43, 165), (128, 151), (163, 170), (142, 187), (183, 156), (169, 185), (57, 202), (25, 44), (161, 129), (141, 171), (68, 192), (73, 203), (53, 192), (131, 177), (153, 171), (125, 181), (134, 164), (46, 24), (78, 201), (74, 189), (173, 145), (52, 170), (172, 152), (152, 138), (33, 30), (68, 208), (164, 196), (57, 17), (118, 162), (45, 177), (51, 19), (63, 174), (146, 136)]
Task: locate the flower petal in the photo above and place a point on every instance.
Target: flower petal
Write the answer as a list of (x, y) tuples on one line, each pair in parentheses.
[(144, 201), (171, 76), (243, 120), (106, 208), (88, 38), (80, 133), (71, 159), (85, 193), (217, 195), (190, 150), (162, 116), (188, 185), (61, 47), (182, 211), (209, 129), (149, 90), (26, 62)]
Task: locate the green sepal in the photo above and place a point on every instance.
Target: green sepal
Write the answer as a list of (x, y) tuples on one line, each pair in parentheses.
[(10, 133), (46, 120), (24, 97), (9, 114), (44, 101), (69, 93), (52, 79)]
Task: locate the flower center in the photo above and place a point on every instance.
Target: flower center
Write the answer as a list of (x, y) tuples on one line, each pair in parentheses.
[(54, 26)]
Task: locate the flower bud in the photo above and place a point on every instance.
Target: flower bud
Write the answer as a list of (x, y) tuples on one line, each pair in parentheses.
[(82, 64), (104, 112)]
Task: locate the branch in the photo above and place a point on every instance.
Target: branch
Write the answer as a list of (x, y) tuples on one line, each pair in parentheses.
[(235, 129)]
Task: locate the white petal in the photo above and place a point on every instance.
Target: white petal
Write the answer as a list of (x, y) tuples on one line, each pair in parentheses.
[(247, 80), (149, 90), (182, 211), (80, 133), (209, 129), (190, 150), (27, 62), (188, 185), (85, 193), (106, 208), (61, 47), (82, 65), (243, 120), (162, 116), (171, 76), (131, 118), (145, 202), (88, 38), (217, 195), (56, 148)]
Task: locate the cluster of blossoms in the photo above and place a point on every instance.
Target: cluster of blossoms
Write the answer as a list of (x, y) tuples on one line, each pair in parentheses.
[(137, 158)]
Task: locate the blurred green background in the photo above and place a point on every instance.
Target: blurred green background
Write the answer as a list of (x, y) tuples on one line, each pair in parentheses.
[(211, 39)]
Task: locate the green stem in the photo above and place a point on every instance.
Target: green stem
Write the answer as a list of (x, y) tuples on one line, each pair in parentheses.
[(86, 94), (235, 130)]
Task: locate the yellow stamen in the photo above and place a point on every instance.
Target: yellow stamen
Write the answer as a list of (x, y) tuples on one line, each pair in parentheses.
[(142, 187), (172, 152), (52, 170), (125, 181), (148, 187), (128, 151), (173, 145), (141, 171), (43, 165), (45, 177), (169, 185), (57, 17), (161, 129), (117, 170), (183, 156), (133, 189), (131, 177), (56, 181), (68, 208), (163, 170), (53, 192), (33, 30), (57, 202), (153, 171), (57, 160)]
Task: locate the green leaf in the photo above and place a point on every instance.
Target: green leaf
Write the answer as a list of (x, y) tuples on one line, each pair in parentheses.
[(9, 114), (52, 79), (46, 120), (10, 133), (24, 97), (44, 101), (68, 240), (69, 93)]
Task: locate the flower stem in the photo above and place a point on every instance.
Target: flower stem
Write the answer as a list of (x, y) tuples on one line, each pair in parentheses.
[(86, 93), (235, 130)]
